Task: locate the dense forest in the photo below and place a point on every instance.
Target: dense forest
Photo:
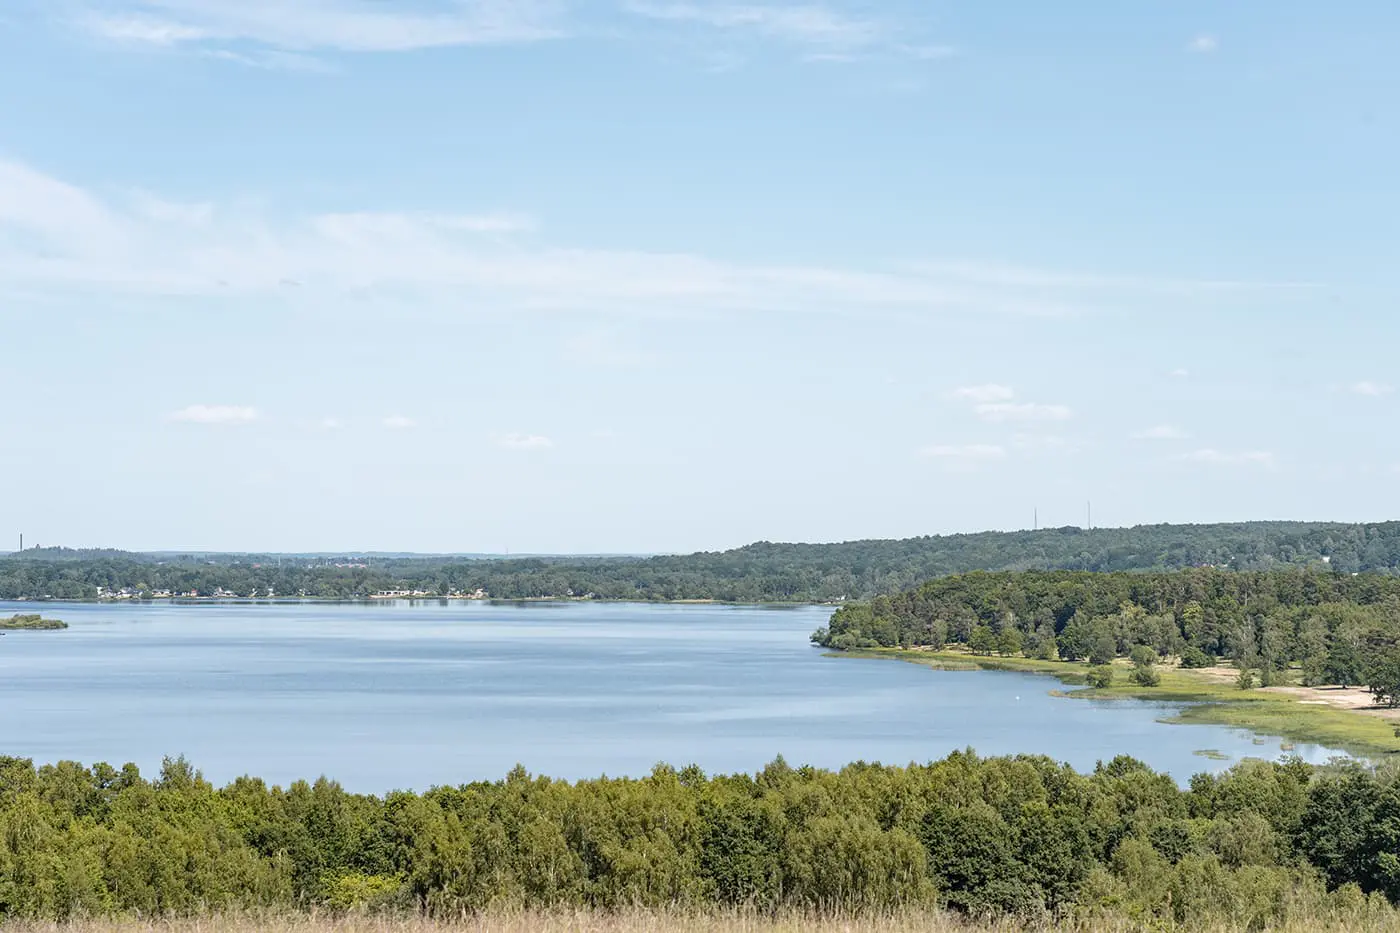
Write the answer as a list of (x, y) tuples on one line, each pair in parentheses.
[(1023, 835), (1336, 628), (762, 572)]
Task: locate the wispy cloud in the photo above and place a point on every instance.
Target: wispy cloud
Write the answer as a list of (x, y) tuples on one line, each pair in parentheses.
[(1022, 411), (56, 237), (399, 423), (1372, 389), (604, 349), (1203, 44), (1179, 373), (1161, 432), (215, 414), (1044, 442), (822, 33), (963, 455), (524, 442), (341, 25), (1211, 456), (994, 402), (991, 392), (817, 25), (141, 27), (331, 424)]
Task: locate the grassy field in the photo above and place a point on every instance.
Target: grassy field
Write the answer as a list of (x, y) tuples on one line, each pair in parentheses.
[(1359, 921), (1213, 700)]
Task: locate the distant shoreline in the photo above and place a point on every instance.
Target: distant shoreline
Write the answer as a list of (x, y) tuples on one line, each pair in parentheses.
[(364, 600)]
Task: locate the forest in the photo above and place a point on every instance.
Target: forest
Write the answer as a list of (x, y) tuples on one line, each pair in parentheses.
[(1263, 843), (761, 572), (1333, 628)]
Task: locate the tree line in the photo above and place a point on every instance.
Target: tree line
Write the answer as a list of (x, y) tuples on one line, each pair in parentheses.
[(1014, 835), (761, 572)]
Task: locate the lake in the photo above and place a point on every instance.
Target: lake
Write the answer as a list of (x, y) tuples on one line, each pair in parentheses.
[(409, 695)]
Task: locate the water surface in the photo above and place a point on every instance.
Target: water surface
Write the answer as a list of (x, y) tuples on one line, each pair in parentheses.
[(410, 695)]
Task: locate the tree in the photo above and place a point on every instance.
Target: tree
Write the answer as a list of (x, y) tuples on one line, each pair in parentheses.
[(1344, 663), (1009, 642), (982, 641), (1383, 679), (1077, 639), (1046, 646), (1245, 679), (1104, 650), (1144, 671)]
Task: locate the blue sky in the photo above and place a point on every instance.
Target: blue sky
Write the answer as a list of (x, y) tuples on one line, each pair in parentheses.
[(646, 275)]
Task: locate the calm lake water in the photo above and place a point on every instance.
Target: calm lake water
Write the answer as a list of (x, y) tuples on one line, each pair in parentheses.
[(409, 695)]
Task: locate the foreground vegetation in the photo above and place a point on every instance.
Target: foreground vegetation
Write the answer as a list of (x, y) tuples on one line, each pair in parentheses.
[(1340, 916), (21, 622), (1264, 844), (762, 572)]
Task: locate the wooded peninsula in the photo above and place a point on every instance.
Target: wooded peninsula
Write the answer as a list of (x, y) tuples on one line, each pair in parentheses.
[(1196, 635)]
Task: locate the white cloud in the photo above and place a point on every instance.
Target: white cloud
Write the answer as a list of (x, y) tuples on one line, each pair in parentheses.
[(605, 350), (272, 60), (1204, 43), (331, 424), (1210, 455), (1022, 411), (345, 25), (215, 414), (963, 454), (138, 27), (990, 392), (524, 442), (1044, 442), (807, 24), (824, 33), (399, 423), (1161, 432), (1179, 373), (57, 237), (1373, 389)]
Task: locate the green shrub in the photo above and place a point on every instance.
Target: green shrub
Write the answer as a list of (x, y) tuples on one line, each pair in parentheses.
[(1194, 658), (1145, 676), (1100, 677)]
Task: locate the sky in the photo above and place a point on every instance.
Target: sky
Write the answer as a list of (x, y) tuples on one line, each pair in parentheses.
[(668, 275)]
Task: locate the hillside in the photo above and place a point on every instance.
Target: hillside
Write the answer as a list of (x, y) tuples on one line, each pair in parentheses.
[(760, 572)]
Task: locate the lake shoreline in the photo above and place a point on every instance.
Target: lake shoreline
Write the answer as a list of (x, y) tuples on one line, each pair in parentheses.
[(1269, 711)]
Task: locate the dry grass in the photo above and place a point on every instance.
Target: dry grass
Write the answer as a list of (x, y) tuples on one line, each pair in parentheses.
[(661, 922)]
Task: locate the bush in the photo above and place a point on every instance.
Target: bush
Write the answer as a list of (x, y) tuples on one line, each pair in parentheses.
[(1100, 677), (1245, 680), (1146, 676), (1194, 658)]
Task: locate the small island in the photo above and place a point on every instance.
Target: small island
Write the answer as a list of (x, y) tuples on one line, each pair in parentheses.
[(31, 623)]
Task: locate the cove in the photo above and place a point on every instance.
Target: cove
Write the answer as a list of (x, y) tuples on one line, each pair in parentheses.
[(399, 694)]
